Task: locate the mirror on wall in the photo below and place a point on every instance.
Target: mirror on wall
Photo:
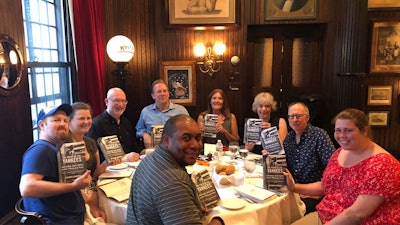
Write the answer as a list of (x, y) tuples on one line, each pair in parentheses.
[(11, 64)]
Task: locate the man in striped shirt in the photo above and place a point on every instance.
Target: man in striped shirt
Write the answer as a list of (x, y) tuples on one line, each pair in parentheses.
[(162, 191)]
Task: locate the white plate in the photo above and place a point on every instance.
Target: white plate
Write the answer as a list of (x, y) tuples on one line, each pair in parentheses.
[(132, 164), (120, 166), (233, 203)]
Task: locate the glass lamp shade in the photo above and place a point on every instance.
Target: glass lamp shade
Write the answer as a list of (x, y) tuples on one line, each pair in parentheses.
[(120, 49)]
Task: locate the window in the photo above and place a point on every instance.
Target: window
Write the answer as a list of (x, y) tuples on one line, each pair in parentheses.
[(47, 36)]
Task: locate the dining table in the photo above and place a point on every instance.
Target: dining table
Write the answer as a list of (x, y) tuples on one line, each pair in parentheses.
[(283, 208)]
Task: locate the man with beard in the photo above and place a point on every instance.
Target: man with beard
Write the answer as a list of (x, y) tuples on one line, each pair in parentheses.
[(58, 203), (162, 191), (112, 122), (157, 113)]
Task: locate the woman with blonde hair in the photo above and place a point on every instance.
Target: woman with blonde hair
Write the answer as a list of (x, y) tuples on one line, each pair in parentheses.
[(264, 105)]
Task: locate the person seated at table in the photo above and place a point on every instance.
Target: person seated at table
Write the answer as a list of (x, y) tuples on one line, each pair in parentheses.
[(157, 113), (226, 128), (361, 184), (80, 121), (162, 192), (58, 203), (113, 122), (264, 105)]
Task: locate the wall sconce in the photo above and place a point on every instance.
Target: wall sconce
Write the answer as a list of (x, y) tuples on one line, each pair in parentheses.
[(120, 49), (208, 63)]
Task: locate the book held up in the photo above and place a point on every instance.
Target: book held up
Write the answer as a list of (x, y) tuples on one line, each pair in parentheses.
[(111, 147), (71, 161), (156, 134), (210, 125), (252, 130), (273, 168), (208, 194)]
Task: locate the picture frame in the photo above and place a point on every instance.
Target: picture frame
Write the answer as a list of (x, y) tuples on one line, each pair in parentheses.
[(385, 50), (380, 95), (180, 77), (374, 4), (301, 9), (378, 118), (216, 12)]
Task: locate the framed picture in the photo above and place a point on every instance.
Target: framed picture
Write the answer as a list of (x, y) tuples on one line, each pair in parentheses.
[(383, 4), (385, 47), (196, 12), (380, 95), (180, 77), (287, 9), (378, 118)]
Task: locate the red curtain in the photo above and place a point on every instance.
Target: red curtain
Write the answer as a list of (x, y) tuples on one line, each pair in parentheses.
[(88, 19)]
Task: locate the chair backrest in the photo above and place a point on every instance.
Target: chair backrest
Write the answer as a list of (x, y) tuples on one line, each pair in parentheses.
[(28, 217)]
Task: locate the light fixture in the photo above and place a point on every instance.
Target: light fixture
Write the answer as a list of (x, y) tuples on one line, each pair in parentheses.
[(208, 63), (120, 49)]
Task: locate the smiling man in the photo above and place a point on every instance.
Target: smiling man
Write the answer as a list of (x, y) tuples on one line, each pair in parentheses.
[(157, 113), (308, 150), (162, 191)]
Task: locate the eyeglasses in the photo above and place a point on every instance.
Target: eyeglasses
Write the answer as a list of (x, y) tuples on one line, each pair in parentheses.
[(298, 116), (119, 101)]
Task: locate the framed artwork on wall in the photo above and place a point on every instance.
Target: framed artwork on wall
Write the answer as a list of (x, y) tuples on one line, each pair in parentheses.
[(180, 77), (379, 95), (383, 4), (378, 118), (205, 12), (385, 47), (290, 10)]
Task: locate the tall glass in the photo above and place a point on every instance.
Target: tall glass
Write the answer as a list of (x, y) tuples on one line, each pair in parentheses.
[(233, 149)]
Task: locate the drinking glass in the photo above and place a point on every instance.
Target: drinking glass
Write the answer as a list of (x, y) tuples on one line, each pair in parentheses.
[(233, 149), (243, 153)]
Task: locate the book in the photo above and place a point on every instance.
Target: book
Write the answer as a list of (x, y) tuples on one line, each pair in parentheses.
[(208, 194), (273, 168), (252, 131), (71, 161), (118, 190), (254, 193), (210, 125), (271, 142), (156, 134), (111, 147)]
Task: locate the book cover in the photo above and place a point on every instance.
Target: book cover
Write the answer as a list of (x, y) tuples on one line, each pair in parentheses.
[(156, 134), (252, 130), (208, 194), (111, 147), (273, 168), (271, 142), (210, 125), (118, 190), (71, 161)]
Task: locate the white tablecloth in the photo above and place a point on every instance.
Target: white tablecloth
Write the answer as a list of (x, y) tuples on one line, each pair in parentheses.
[(280, 210)]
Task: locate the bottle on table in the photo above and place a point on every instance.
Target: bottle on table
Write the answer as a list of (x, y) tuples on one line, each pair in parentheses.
[(220, 148)]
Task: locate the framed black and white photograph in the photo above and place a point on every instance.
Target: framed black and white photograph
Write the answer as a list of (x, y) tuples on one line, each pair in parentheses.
[(180, 77), (210, 12), (379, 95), (290, 9), (378, 118)]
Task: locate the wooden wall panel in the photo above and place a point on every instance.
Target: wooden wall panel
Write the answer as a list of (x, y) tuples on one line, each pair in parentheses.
[(15, 120)]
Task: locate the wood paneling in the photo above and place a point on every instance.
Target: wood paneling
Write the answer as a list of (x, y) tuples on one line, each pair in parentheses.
[(15, 119)]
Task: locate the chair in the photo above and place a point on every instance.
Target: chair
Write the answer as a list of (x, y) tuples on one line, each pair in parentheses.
[(28, 217)]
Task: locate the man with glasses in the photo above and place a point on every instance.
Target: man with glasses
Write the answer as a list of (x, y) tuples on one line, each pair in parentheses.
[(157, 113), (112, 122), (308, 149)]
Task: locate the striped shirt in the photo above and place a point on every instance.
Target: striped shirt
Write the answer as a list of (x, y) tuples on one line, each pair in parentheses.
[(162, 192)]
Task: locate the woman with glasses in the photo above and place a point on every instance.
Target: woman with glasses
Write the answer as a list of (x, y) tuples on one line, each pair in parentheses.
[(264, 105), (361, 183)]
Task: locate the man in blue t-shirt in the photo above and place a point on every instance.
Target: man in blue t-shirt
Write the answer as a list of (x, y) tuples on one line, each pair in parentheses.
[(59, 203)]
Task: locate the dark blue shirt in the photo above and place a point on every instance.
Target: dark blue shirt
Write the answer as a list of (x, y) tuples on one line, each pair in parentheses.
[(308, 159)]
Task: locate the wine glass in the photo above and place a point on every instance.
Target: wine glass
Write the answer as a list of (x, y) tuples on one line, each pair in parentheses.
[(233, 149)]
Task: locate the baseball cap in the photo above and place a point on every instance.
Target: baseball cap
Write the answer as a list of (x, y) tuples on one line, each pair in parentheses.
[(50, 110)]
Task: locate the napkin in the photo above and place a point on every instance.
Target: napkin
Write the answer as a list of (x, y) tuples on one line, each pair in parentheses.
[(235, 179)]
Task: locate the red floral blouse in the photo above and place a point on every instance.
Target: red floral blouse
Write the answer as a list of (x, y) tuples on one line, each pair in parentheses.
[(376, 175)]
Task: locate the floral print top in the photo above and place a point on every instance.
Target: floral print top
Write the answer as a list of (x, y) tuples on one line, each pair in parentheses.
[(376, 175)]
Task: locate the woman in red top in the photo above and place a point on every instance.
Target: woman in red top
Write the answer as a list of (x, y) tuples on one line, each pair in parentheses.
[(361, 183)]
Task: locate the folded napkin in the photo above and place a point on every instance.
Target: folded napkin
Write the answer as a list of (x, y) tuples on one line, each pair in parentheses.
[(235, 179)]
